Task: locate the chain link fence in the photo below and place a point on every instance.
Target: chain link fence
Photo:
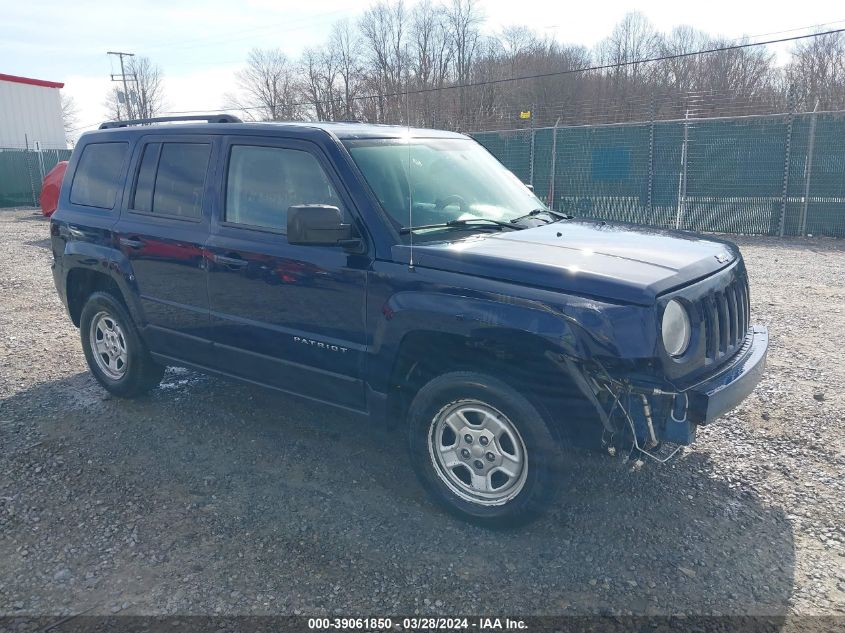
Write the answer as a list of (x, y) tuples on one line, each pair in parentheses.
[(22, 171), (780, 174)]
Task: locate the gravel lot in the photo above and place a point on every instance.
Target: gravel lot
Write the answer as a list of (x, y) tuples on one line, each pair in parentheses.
[(211, 497)]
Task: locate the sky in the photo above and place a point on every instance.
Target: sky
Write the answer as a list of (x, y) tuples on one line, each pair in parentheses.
[(201, 44)]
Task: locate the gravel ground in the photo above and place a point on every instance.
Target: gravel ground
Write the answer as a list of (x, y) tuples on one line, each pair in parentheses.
[(211, 497)]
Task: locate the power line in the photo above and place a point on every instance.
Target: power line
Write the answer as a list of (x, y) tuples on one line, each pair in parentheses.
[(528, 77), (557, 73), (84, 127), (588, 106), (290, 25), (799, 28)]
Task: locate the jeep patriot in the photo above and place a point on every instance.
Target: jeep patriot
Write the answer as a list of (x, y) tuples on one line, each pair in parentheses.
[(402, 274)]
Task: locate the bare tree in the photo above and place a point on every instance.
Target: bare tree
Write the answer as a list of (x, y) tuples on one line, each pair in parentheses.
[(520, 52), (680, 74), (146, 91), (816, 72), (431, 59), (633, 39), (313, 85), (116, 104), (744, 73), (345, 49), (675, 79), (70, 115), (149, 100), (464, 19), (267, 87), (518, 45), (433, 65), (384, 34), (428, 43)]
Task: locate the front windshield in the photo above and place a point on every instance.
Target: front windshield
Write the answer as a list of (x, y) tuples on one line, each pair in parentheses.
[(450, 179)]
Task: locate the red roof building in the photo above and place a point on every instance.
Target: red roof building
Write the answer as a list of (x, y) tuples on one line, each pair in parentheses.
[(30, 113)]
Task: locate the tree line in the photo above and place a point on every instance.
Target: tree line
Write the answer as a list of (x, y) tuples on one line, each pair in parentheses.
[(410, 64)]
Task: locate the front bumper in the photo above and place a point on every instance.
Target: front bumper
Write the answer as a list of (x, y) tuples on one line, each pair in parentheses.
[(658, 415), (720, 393), (682, 412)]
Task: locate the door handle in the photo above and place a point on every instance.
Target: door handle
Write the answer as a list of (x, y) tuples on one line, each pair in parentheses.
[(230, 262), (131, 242)]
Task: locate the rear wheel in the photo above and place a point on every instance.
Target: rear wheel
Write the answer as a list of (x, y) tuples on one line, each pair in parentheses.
[(115, 353), (482, 449)]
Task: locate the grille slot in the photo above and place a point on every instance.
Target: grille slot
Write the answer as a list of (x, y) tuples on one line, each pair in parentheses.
[(726, 316), (711, 326), (733, 319)]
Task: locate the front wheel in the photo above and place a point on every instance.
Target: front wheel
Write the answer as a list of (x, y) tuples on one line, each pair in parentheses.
[(115, 353), (482, 449)]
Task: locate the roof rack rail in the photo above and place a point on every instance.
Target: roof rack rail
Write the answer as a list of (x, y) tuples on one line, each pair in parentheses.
[(208, 118)]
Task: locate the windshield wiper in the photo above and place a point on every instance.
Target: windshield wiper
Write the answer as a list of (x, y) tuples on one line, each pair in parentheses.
[(472, 223), (557, 215)]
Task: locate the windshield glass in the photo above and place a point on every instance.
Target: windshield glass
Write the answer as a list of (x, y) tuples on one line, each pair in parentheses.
[(450, 179)]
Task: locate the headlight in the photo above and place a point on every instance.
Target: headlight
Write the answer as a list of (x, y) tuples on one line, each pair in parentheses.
[(675, 328)]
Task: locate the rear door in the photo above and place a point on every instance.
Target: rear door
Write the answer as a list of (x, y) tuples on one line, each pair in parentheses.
[(162, 231), (285, 315)]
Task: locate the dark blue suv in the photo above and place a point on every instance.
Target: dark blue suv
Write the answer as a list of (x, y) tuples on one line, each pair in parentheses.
[(403, 274)]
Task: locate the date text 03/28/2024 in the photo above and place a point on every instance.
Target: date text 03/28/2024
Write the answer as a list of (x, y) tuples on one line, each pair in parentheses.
[(412, 624)]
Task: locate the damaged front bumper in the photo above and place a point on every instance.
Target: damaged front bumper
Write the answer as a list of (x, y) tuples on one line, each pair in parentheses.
[(719, 394), (649, 416)]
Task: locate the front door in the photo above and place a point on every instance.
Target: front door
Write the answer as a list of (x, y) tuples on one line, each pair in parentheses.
[(162, 231), (284, 315)]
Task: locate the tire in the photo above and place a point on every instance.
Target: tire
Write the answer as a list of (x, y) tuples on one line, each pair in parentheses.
[(494, 416), (120, 362)]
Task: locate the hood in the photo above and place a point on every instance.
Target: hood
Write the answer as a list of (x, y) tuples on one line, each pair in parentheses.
[(619, 262)]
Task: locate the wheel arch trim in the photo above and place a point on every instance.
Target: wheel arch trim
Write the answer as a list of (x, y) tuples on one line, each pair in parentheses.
[(107, 263)]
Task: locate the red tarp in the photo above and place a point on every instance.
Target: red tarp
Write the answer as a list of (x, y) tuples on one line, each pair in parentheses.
[(50, 188)]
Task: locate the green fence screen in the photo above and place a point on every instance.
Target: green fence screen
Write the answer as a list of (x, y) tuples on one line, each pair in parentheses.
[(22, 172), (771, 175)]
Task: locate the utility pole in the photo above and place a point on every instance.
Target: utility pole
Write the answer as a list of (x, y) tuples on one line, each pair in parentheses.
[(122, 77)]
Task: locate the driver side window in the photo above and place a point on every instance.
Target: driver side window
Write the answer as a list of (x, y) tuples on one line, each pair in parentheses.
[(263, 182)]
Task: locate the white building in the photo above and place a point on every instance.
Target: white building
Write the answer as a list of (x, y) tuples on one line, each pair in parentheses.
[(31, 113)]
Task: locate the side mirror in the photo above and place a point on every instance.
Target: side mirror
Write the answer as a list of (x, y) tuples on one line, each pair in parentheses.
[(320, 225), (529, 186)]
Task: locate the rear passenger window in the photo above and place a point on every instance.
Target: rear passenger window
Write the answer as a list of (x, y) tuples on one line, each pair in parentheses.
[(263, 182), (171, 179), (97, 178)]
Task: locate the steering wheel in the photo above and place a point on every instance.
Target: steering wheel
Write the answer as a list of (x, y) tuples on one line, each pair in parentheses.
[(442, 203)]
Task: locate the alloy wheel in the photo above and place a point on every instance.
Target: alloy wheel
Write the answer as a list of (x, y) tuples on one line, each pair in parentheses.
[(478, 452), (108, 345)]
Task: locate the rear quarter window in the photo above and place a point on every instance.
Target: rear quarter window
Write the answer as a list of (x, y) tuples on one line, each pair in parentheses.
[(98, 175)]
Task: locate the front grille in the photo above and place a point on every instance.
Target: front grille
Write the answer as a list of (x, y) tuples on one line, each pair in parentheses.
[(726, 316)]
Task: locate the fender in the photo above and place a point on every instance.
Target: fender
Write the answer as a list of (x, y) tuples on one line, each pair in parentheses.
[(474, 316), (108, 261)]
